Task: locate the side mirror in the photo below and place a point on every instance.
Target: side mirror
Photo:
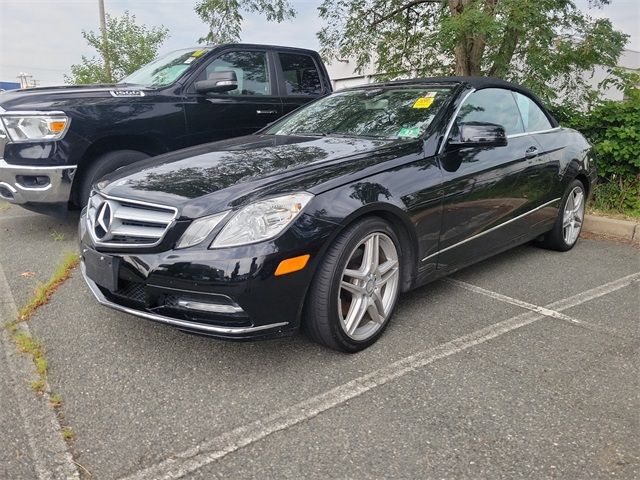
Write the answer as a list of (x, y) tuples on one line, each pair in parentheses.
[(479, 134), (218, 82)]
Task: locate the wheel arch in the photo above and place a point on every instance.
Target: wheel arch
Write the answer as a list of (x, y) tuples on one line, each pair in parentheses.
[(402, 225), (584, 179), (143, 143)]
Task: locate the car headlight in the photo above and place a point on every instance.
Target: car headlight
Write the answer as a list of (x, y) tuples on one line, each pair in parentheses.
[(199, 230), (35, 127), (261, 220)]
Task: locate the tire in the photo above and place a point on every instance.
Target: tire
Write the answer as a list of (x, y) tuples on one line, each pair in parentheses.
[(103, 165), (566, 229), (343, 318)]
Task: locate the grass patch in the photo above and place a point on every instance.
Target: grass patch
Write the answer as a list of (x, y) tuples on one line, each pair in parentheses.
[(56, 400), (613, 214), (67, 433), (4, 206), (38, 385), (44, 291), (57, 236)]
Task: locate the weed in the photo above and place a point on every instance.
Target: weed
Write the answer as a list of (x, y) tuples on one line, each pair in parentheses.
[(44, 291), (27, 344), (57, 236), (56, 400), (4, 206), (38, 385), (67, 433)]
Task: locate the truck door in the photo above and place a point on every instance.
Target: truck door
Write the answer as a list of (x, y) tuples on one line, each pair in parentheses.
[(248, 108), (301, 79)]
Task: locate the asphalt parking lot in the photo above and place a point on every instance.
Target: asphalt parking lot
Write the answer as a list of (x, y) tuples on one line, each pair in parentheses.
[(523, 366)]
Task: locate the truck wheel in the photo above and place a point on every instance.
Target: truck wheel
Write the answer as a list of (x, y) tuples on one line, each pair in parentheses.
[(103, 165)]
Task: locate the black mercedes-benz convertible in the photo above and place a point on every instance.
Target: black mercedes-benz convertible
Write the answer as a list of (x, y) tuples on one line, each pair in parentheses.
[(322, 219)]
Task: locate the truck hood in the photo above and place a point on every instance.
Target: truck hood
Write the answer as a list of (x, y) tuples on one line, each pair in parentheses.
[(47, 97), (213, 177)]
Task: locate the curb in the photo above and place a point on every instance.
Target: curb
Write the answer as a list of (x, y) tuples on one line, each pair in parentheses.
[(612, 226), (50, 455)]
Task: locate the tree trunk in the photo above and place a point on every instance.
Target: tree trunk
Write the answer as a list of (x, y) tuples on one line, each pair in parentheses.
[(470, 49), (507, 48)]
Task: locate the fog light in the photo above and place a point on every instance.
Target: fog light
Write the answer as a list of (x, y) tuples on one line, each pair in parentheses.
[(33, 181), (6, 191), (209, 307)]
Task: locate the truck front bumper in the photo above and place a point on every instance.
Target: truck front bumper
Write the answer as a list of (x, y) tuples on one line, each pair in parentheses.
[(26, 184)]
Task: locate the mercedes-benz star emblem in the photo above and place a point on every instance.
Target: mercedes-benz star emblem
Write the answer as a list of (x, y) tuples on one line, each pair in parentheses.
[(104, 219)]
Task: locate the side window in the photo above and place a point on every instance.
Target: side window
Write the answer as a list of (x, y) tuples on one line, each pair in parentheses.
[(492, 105), (251, 70), (301, 76), (533, 117)]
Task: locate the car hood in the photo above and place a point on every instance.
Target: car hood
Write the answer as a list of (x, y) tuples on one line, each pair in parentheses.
[(221, 175), (48, 98)]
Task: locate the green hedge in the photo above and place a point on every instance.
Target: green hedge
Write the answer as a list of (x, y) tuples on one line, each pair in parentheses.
[(614, 129)]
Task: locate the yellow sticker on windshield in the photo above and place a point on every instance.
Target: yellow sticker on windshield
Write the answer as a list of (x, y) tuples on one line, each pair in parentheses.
[(424, 102), (198, 53)]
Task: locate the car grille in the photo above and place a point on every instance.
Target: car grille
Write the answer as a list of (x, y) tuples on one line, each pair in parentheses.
[(117, 222), (133, 291)]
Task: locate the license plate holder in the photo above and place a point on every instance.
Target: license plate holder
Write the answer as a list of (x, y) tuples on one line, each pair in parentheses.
[(102, 269)]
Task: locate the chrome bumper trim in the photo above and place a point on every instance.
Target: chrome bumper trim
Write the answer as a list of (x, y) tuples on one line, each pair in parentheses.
[(200, 327), (57, 191)]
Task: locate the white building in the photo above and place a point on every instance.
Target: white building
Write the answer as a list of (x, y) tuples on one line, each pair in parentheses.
[(343, 73)]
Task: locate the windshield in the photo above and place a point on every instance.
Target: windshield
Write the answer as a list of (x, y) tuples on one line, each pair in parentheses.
[(385, 112), (165, 70)]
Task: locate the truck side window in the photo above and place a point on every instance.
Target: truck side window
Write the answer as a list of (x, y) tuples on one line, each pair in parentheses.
[(301, 76), (251, 70)]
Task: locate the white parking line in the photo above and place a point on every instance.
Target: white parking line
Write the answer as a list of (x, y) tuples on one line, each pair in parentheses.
[(14, 217), (51, 459), (561, 304), (183, 463), (513, 301)]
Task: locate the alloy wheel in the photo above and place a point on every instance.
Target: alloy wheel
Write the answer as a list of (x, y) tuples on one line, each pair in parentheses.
[(368, 286), (573, 215)]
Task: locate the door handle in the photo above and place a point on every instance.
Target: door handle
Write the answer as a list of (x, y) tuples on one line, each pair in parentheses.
[(266, 112), (531, 152)]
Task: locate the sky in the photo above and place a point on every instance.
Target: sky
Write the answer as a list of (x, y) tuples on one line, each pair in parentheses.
[(43, 37)]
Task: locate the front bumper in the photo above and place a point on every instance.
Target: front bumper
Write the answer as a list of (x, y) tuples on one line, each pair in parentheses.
[(191, 326), (170, 287), (24, 185)]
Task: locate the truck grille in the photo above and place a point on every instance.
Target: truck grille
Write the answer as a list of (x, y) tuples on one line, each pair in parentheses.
[(118, 222)]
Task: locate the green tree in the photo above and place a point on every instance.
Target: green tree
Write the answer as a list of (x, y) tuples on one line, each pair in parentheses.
[(128, 47), (224, 17), (549, 45)]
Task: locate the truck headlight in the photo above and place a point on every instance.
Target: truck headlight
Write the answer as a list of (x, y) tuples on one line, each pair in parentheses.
[(28, 127), (261, 220)]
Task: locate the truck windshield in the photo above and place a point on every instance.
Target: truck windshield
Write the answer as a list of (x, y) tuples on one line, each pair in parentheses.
[(385, 112), (165, 70)]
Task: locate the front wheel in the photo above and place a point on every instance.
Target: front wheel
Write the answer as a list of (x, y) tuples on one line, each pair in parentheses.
[(356, 287), (566, 230)]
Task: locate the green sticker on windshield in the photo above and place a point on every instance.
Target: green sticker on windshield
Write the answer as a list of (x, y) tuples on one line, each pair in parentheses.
[(409, 132)]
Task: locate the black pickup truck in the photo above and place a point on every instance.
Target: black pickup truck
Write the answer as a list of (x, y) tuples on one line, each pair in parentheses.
[(56, 142)]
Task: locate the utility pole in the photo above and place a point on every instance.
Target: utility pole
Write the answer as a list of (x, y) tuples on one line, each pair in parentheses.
[(24, 79), (105, 44)]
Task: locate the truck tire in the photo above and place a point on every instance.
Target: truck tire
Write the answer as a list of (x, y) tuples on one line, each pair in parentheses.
[(103, 165)]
